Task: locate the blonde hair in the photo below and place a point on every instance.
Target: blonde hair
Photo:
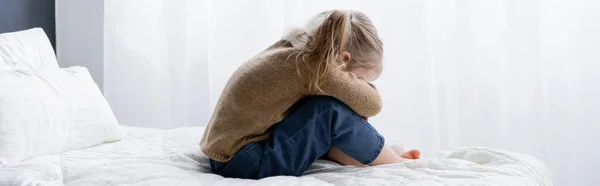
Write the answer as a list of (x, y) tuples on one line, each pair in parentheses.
[(328, 35)]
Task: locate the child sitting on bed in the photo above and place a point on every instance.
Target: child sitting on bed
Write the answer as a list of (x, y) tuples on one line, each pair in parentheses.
[(303, 98)]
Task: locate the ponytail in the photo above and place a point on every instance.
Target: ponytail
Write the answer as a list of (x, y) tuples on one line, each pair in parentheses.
[(325, 46)]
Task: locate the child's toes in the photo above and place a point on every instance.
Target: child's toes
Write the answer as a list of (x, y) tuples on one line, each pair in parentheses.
[(416, 154), (412, 154)]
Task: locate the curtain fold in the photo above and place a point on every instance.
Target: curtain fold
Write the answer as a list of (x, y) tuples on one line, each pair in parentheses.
[(516, 75)]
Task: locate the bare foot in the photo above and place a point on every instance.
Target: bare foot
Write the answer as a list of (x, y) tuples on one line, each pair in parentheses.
[(411, 154), (407, 154)]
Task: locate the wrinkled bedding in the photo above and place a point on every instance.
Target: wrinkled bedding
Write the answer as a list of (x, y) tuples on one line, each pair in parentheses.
[(172, 157)]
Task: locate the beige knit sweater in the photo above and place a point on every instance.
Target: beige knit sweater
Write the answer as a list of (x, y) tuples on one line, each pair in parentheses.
[(260, 92)]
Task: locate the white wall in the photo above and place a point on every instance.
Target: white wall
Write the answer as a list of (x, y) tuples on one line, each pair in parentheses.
[(80, 36)]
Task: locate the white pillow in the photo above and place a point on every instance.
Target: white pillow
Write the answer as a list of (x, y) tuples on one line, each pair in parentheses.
[(52, 111), (28, 49)]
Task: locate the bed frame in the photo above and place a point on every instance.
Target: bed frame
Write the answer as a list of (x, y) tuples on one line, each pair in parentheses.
[(18, 15)]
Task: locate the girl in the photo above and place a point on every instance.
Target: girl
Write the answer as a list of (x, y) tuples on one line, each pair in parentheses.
[(303, 98)]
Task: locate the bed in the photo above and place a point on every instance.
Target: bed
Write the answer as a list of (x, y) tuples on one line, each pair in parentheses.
[(145, 156), (171, 157)]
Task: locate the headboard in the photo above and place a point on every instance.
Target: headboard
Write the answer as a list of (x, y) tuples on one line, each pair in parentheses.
[(18, 15)]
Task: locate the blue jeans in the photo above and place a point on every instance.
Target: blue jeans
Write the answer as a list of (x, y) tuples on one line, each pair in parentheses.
[(312, 127)]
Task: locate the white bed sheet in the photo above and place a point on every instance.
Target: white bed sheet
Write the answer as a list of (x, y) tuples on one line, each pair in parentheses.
[(172, 157)]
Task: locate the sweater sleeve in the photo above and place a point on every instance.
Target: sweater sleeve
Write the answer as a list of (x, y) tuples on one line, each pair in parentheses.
[(360, 96)]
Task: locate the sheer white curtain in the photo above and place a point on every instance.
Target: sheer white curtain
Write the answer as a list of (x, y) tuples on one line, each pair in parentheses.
[(156, 63), (510, 74)]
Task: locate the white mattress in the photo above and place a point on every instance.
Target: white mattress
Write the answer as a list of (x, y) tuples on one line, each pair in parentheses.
[(172, 157)]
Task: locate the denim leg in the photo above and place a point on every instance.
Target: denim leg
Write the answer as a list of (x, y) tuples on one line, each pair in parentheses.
[(312, 127), (244, 164)]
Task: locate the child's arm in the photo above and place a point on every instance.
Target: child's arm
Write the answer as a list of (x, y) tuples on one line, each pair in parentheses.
[(359, 95)]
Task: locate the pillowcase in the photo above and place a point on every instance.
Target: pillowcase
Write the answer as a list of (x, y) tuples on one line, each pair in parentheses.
[(28, 49), (51, 111)]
